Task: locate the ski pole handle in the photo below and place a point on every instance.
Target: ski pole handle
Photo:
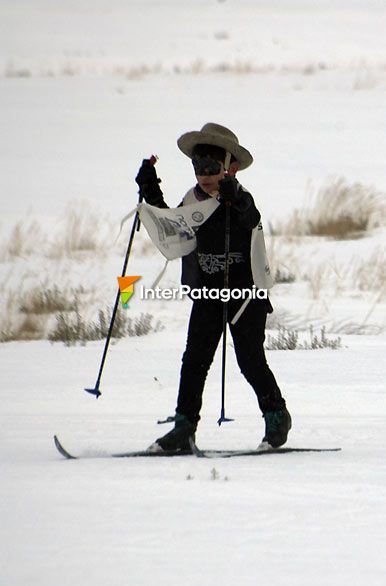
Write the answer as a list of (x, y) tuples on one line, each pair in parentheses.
[(152, 160)]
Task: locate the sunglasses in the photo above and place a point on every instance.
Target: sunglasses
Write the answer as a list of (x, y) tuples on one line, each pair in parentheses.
[(206, 165)]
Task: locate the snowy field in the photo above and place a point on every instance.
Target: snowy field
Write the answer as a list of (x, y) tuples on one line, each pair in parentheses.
[(85, 94), (275, 519)]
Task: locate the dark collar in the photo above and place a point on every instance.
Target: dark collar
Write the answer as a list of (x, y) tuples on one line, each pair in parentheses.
[(200, 193)]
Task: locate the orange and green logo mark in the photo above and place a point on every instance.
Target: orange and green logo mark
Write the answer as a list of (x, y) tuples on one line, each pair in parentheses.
[(126, 287)]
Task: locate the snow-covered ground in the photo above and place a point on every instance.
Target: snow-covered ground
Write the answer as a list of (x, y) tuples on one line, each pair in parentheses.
[(275, 519), (86, 93)]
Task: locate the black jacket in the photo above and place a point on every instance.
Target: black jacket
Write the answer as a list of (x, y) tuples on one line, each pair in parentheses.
[(205, 265)]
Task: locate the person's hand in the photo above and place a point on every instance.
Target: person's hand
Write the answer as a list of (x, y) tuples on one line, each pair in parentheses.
[(229, 190), (148, 183)]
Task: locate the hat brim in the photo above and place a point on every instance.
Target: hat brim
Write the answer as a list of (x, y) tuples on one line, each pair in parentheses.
[(189, 140)]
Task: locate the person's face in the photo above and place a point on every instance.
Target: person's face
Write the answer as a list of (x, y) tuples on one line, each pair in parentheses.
[(208, 165), (209, 172)]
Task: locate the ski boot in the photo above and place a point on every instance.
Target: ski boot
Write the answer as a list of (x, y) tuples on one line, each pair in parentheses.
[(177, 440), (277, 425)]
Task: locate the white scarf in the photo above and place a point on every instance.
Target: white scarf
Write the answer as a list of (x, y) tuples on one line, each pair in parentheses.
[(172, 230)]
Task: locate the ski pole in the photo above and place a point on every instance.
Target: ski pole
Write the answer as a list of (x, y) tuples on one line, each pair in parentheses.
[(135, 227), (222, 418)]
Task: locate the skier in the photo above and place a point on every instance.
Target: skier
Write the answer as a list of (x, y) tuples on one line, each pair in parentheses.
[(217, 156)]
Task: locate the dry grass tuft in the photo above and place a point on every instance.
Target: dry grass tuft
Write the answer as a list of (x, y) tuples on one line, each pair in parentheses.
[(288, 339), (80, 230), (25, 328), (27, 314), (72, 328), (370, 274), (40, 301), (58, 315), (339, 210), (24, 239)]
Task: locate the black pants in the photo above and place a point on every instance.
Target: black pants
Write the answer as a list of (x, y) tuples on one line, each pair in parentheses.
[(205, 329)]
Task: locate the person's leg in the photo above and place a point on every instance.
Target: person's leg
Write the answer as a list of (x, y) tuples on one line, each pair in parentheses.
[(248, 336), (204, 332)]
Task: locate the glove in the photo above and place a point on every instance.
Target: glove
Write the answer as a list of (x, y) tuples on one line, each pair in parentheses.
[(148, 183), (229, 190)]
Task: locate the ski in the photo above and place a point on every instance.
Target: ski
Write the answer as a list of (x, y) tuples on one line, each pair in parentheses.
[(195, 451), (102, 454), (257, 452)]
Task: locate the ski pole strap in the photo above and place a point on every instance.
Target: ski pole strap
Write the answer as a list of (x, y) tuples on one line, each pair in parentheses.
[(161, 274), (127, 217)]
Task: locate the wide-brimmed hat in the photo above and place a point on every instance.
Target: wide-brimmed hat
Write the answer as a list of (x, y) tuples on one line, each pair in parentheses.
[(216, 135)]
